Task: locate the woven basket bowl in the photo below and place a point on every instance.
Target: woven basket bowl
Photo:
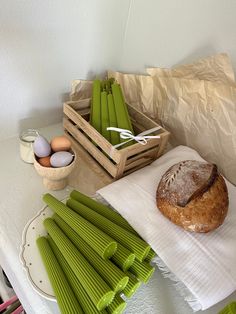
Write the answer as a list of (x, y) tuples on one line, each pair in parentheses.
[(55, 178)]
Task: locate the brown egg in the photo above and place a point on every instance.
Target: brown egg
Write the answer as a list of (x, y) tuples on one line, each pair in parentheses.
[(60, 143), (45, 161)]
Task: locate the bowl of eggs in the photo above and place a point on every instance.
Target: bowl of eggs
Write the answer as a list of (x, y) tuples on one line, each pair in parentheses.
[(54, 161)]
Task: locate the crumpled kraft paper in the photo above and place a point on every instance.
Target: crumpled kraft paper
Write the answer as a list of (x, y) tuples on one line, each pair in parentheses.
[(216, 68), (199, 113), (138, 91), (81, 89)]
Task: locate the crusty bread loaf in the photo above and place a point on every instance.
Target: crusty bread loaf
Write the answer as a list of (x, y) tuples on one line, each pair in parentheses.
[(193, 195)]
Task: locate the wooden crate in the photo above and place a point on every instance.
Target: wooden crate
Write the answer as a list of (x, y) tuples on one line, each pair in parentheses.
[(117, 162)]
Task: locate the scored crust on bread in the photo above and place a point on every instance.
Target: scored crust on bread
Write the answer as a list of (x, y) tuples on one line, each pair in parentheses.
[(185, 180), (193, 195)]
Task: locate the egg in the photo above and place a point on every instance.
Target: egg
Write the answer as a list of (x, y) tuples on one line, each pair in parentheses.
[(41, 147), (61, 159), (60, 143), (44, 161)]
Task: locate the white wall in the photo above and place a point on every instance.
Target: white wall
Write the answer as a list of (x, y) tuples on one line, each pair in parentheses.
[(44, 45), (168, 32)]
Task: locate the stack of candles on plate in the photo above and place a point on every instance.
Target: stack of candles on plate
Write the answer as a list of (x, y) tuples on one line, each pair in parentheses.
[(93, 257)]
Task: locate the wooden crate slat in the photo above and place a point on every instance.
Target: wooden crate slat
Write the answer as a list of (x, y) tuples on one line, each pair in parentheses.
[(121, 166), (91, 132), (104, 177), (138, 167), (138, 148), (80, 104), (141, 118), (116, 162), (164, 140), (90, 147), (138, 128), (138, 162), (149, 153)]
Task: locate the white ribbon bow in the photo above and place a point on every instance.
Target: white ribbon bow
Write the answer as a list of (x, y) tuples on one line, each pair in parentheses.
[(141, 138)]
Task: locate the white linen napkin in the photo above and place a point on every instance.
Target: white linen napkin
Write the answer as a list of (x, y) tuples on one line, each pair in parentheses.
[(203, 266)]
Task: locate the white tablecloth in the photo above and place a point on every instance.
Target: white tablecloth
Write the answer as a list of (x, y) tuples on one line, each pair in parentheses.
[(202, 266), (20, 198)]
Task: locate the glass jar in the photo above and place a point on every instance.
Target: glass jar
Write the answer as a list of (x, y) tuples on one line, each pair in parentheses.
[(27, 138)]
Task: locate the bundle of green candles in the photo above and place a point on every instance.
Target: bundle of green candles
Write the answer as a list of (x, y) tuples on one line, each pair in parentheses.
[(93, 257), (108, 109)]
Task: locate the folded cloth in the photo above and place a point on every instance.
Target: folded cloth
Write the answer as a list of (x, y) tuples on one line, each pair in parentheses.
[(203, 266)]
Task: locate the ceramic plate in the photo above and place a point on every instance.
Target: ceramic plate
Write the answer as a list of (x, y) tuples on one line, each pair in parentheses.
[(30, 256)]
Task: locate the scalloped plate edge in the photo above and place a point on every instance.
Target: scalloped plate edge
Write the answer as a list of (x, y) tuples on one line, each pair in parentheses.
[(23, 261)]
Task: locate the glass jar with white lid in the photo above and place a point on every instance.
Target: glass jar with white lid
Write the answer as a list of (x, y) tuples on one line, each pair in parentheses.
[(27, 138)]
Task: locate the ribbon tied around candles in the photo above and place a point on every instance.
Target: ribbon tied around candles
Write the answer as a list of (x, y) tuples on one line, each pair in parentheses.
[(141, 138)]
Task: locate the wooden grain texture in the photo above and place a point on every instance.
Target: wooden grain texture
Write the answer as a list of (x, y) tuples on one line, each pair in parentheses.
[(117, 162), (147, 154), (90, 147), (137, 167), (141, 118), (121, 166), (90, 131), (88, 175)]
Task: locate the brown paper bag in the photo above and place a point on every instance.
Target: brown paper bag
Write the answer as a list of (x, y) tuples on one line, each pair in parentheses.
[(217, 68), (202, 115), (199, 113), (138, 91), (81, 89)]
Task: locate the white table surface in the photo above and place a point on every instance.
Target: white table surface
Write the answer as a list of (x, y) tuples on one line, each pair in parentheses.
[(20, 199)]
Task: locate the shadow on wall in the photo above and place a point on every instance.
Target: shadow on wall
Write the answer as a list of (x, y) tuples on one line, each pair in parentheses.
[(203, 51), (91, 75), (38, 118)]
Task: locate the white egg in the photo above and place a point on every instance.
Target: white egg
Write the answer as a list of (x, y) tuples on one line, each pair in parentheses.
[(61, 159), (41, 147)]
